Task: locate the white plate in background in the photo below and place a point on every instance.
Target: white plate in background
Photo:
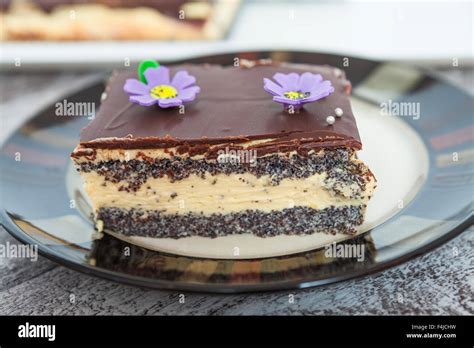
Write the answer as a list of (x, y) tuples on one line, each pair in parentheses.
[(435, 32)]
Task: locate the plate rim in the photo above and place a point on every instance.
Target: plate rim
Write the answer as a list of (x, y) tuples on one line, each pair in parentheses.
[(159, 284)]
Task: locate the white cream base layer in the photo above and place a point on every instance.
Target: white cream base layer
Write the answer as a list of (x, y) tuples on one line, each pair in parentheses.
[(217, 194), (400, 166)]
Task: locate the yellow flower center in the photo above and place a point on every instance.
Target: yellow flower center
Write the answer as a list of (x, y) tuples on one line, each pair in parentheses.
[(295, 95), (163, 92)]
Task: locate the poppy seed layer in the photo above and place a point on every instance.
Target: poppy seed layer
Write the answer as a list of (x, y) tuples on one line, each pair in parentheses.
[(290, 221), (337, 164)]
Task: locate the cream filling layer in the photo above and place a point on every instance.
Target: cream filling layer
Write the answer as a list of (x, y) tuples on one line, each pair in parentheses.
[(217, 194)]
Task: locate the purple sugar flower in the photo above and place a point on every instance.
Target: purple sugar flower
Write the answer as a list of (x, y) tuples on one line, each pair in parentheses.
[(159, 90), (295, 90)]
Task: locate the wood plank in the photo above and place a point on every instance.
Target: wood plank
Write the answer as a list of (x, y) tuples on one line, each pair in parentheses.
[(437, 283)]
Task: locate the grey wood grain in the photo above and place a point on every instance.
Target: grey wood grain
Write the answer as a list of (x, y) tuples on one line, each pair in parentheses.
[(439, 282)]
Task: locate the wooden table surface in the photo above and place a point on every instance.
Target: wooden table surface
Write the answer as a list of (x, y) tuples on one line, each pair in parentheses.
[(439, 282)]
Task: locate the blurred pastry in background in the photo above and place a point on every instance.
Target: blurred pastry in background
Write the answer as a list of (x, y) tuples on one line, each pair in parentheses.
[(57, 20)]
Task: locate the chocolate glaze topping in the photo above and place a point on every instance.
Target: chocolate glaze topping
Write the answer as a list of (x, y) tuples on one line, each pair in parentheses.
[(231, 108)]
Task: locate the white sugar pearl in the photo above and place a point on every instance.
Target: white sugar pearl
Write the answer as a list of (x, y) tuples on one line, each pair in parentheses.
[(338, 112), (337, 72), (330, 119)]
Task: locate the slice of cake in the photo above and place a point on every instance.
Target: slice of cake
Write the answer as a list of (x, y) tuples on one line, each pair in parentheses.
[(116, 19), (205, 150)]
